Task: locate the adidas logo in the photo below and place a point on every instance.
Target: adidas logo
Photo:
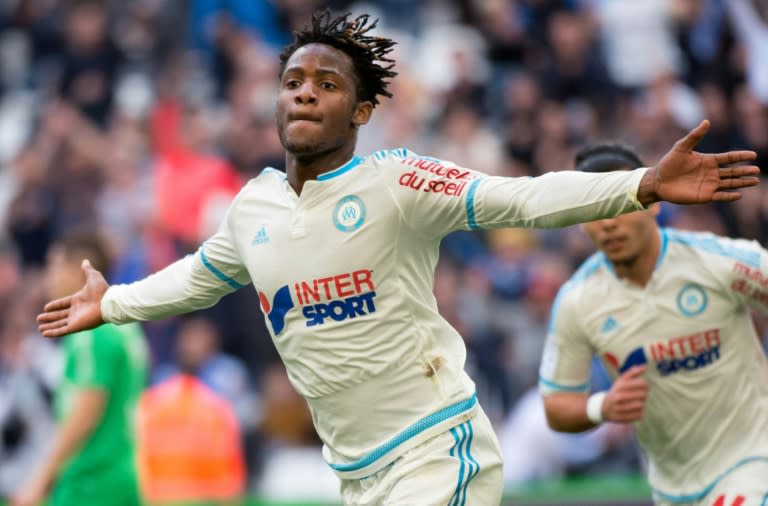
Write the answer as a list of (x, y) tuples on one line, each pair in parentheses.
[(261, 237), (609, 324)]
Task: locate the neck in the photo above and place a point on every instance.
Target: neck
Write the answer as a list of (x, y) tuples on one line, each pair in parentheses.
[(302, 168), (639, 269)]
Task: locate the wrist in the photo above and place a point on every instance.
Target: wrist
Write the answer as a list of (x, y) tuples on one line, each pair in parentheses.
[(595, 407), (647, 191)]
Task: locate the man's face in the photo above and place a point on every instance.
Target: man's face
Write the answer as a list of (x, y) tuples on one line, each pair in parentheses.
[(625, 238), (63, 276), (317, 104)]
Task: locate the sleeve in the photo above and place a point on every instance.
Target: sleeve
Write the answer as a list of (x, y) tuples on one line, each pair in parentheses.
[(437, 197), (747, 275), (97, 357), (195, 282), (566, 362)]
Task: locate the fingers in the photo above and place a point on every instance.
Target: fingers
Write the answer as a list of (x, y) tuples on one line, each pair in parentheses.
[(726, 196), (88, 268), (629, 415), (52, 316), (53, 323), (57, 325), (735, 178), (55, 305), (735, 183), (626, 399), (688, 142), (740, 171), (627, 405), (636, 371), (735, 157), (59, 332)]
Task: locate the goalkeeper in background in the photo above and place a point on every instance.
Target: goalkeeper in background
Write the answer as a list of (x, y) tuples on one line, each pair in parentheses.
[(92, 459), (668, 312)]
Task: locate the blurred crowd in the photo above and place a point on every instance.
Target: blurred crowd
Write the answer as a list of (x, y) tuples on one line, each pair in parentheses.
[(142, 119)]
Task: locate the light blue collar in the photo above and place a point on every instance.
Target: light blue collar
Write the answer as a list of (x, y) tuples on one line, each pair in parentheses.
[(354, 162)]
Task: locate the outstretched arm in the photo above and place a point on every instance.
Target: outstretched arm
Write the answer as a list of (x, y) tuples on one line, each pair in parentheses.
[(436, 197), (195, 282), (684, 176), (189, 284)]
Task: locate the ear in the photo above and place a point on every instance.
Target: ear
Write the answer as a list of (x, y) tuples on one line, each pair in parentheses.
[(362, 113)]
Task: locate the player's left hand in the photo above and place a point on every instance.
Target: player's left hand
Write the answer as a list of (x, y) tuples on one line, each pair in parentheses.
[(684, 176)]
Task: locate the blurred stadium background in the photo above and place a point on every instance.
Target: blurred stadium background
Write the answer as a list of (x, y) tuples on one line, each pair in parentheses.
[(142, 118)]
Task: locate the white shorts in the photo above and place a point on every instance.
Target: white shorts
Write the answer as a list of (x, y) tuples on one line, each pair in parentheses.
[(744, 485), (459, 467)]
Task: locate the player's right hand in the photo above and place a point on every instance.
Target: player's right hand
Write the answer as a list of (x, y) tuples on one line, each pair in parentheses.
[(76, 312), (625, 401)]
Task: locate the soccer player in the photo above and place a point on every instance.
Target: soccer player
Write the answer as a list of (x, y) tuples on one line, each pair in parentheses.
[(342, 249), (91, 462), (668, 313)]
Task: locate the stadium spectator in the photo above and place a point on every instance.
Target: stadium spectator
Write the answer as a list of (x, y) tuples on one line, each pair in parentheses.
[(91, 60), (198, 353), (751, 25), (189, 444), (30, 368), (199, 350)]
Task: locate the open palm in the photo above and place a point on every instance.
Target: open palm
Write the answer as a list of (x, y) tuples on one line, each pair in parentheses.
[(76, 312), (684, 176)]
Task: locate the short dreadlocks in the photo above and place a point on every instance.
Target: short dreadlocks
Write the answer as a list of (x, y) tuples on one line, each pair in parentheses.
[(368, 52)]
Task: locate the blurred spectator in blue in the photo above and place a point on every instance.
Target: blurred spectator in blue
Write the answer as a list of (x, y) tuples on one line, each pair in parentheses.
[(506, 268), (263, 20), (198, 353)]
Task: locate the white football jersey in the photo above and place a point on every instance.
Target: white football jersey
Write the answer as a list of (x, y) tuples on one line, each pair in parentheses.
[(345, 274), (707, 408)]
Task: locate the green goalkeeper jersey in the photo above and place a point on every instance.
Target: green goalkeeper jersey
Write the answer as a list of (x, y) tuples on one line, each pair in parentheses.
[(114, 359)]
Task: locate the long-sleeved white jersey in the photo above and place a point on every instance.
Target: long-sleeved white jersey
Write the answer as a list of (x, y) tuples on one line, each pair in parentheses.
[(707, 408), (345, 274)]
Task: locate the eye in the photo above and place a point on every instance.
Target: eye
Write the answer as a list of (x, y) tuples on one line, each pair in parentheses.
[(327, 85), (292, 84)]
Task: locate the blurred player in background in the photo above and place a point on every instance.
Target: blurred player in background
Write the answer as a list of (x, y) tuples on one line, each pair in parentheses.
[(92, 459), (668, 312), (342, 251)]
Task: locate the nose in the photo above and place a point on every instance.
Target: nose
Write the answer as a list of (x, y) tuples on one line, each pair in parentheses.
[(305, 94), (608, 223)]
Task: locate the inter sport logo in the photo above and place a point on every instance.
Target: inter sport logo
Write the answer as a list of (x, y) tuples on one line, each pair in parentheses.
[(684, 353), (335, 298)]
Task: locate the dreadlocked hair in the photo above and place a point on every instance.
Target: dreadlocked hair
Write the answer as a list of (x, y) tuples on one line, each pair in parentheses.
[(368, 52)]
